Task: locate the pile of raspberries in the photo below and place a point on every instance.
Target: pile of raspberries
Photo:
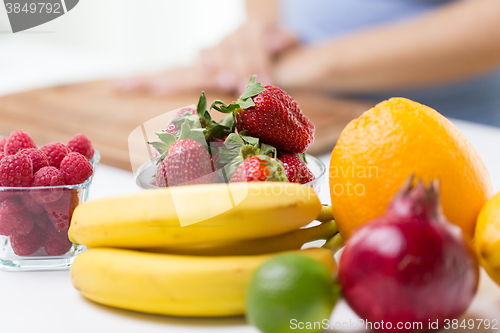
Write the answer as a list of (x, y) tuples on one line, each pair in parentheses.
[(34, 217)]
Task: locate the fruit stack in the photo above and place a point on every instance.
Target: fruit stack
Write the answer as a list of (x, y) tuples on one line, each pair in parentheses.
[(38, 192), (175, 251), (263, 138), (417, 188)]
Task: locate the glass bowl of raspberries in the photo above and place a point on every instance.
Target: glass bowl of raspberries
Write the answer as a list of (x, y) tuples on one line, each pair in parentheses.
[(40, 187)]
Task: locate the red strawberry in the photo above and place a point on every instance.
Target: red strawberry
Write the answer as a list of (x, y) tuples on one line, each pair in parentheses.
[(24, 245), (16, 171), (75, 169), (270, 114), (38, 157), (296, 169), (188, 162), (161, 175), (81, 144), (18, 140), (171, 127), (13, 219), (259, 169), (55, 152)]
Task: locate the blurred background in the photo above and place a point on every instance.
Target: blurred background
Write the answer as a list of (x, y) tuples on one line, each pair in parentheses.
[(100, 39), (116, 64)]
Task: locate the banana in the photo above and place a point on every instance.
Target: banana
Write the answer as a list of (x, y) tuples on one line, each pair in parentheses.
[(171, 284), (290, 241), (194, 214), (326, 213)]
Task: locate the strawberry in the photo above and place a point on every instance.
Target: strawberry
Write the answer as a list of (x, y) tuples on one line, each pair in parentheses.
[(188, 162), (160, 179), (200, 118), (173, 128), (296, 168), (259, 168), (184, 161), (270, 114)]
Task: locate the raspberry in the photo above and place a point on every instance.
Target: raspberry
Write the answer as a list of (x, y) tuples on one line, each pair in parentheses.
[(61, 211), (42, 221), (55, 152), (2, 155), (13, 219), (24, 245), (7, 194), (30, 204), (18, 140), (48, 176), (56, 242), (2, 144), (81, 144), (16, 171), (38, 158), (75, 169)]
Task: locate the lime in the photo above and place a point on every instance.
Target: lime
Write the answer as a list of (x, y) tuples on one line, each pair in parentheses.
[(291, 293)]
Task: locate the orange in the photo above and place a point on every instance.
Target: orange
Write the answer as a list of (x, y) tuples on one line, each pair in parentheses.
[(378, 151)]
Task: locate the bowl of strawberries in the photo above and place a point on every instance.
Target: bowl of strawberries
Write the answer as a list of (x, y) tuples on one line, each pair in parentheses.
[(39, 189), (263, 137)]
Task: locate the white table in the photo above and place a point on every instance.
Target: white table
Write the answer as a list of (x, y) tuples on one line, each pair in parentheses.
[(47, 302)]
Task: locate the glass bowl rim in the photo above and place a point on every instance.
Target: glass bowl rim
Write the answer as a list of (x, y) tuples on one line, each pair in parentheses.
[(95, 161), (146, 165)]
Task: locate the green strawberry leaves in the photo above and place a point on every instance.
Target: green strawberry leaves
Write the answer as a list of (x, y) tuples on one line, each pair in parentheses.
[(201, 108), (237, 148), (244, 102), (253, 89), (222, 107)]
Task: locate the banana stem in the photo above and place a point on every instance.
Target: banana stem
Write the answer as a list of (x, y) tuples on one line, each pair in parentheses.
[(326, 214), (335, 243), (285, 242)]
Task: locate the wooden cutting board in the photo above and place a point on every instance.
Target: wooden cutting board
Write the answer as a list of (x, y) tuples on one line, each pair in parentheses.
[(108, 117)]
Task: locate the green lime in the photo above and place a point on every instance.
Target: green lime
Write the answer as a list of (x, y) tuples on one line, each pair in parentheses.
[(291, 293)]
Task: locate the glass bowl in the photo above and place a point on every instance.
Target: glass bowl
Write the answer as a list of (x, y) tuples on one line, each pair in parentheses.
[(146, 172), (34, 224)]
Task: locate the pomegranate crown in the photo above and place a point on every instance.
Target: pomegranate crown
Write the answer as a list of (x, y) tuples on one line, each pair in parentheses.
[(417, 199)]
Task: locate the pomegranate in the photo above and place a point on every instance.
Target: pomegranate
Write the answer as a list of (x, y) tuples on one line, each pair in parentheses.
[(409, 269)]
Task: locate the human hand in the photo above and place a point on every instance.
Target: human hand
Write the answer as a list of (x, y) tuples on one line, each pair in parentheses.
[(248, 51)]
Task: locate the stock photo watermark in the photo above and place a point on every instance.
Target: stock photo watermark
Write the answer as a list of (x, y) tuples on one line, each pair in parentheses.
[(352, 172), (447, 324)]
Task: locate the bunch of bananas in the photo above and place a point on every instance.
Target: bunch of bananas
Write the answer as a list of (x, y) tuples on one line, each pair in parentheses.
[(190, 251)]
